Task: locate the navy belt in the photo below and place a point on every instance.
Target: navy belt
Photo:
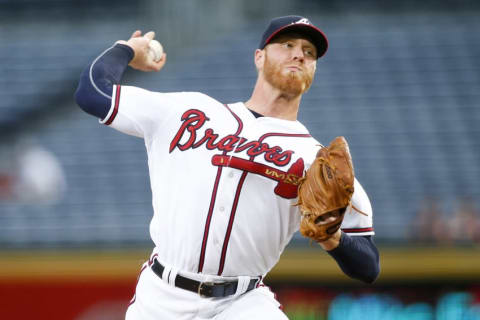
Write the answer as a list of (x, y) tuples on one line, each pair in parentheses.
[(204, 289)]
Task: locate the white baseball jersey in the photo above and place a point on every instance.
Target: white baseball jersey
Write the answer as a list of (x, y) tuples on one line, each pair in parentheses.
[(224, 183)]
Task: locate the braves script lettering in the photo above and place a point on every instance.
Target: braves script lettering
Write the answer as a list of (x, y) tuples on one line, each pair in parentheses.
[(188, 137)]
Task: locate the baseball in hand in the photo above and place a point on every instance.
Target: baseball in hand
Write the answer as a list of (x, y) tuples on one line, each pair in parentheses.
[(155, 50)]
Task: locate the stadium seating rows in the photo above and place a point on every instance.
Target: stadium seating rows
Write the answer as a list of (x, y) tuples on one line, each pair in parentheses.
[(403, 90)]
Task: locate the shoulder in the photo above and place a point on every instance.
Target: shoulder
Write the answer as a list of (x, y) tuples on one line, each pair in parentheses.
[(180, 96), (191, 97)]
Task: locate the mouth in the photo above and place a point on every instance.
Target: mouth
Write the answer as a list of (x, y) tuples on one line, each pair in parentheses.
[(294, 68)]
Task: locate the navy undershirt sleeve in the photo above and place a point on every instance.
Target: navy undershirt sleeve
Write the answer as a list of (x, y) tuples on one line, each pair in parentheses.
[(94, 91), (357, 257)]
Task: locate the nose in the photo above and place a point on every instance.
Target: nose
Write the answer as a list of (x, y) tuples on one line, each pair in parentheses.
[(298, 54)]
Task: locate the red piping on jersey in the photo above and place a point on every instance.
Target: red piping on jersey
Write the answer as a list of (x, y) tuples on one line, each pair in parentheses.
[(277, 134), (115, 107), (230, 222), (237, 196), (358, 230), (209, 218), (214, 197)]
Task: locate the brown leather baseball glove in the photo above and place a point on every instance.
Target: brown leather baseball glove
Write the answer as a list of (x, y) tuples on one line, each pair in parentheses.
[(326, 190)]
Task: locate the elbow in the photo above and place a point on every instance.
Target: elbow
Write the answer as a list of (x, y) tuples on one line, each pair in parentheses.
[(90, 102), (83, 94), (79, 97), (89, 99), (373, 270), (369, 271), (84, 101), (372, 276), (367, 275)]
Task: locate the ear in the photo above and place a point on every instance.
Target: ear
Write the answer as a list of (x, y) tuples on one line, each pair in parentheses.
[(259, 58)]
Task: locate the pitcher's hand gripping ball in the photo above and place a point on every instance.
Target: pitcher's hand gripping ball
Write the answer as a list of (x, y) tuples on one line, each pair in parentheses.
[(325, 192), (155, 50)]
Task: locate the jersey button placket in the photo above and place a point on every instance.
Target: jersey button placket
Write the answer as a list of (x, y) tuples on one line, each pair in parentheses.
[(216, 239), (221, 208)]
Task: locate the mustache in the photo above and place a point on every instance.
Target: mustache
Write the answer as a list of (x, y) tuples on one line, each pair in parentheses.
[(294, 83)]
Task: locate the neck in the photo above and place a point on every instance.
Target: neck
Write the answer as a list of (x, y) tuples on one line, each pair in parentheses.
[(271, 102)]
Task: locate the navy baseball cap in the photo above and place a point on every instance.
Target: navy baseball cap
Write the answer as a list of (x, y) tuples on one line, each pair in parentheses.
[(295, 24)]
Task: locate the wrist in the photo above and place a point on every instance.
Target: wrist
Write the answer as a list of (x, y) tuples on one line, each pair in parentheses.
[(127, 50), (333, 242)]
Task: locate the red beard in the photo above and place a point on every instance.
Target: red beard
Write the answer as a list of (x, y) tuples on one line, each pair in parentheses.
[(291, 83)]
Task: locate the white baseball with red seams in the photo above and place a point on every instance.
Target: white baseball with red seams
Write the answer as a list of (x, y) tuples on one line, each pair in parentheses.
[(223, 181), (155, 50)]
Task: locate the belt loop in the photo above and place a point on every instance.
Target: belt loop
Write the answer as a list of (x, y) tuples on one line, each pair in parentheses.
[(258, 282), (166, 274), (242, 285), (172, 276)]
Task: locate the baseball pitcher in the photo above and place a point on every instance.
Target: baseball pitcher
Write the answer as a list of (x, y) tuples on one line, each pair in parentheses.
[(232, 182)]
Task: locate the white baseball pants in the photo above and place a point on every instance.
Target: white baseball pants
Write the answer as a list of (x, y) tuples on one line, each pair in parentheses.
[(156, 299)]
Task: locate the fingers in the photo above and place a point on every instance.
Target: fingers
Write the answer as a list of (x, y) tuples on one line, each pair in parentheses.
[(158, 65), (141, 60), (136, 34), (149, 65), (149, 35)]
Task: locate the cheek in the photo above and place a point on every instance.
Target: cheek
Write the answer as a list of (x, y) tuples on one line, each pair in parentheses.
[(276, 56), (262, 60), (311, 70)]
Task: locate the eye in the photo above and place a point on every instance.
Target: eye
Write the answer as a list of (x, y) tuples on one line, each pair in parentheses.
[(288, 44), (310, 52)]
